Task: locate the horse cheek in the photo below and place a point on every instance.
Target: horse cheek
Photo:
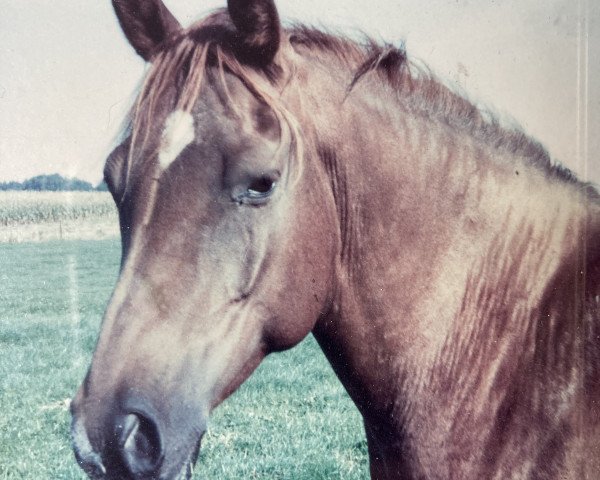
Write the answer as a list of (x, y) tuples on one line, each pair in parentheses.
[(305, 273)]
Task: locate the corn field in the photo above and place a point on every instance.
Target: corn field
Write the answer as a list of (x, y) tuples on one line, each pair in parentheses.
[(35, 207), (40, 216)]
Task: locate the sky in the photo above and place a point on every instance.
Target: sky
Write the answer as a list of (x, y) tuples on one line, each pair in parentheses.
[(67, 74)]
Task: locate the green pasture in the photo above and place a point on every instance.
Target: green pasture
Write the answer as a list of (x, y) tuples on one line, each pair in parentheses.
[(291, 420)]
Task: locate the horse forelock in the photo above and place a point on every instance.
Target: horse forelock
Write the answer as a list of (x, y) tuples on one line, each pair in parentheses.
[(199, 55)]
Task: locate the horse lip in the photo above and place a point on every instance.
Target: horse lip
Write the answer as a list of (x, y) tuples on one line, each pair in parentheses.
[(186, 472), (86, 456), (196, 451), (92, 465), (188, 467)]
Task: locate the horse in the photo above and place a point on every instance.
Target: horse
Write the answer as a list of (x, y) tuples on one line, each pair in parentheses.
[(273, 182)]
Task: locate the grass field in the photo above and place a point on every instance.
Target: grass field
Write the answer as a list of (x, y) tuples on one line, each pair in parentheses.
[(291, 420)]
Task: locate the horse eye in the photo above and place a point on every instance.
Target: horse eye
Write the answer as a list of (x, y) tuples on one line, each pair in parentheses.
[(257, 190), (260, 187)]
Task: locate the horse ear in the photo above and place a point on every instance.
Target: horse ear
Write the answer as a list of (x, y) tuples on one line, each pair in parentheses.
[(146, 24), (258, 29)]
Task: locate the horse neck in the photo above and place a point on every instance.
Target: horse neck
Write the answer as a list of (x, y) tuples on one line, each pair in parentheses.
[(453, 253), (402, 179)]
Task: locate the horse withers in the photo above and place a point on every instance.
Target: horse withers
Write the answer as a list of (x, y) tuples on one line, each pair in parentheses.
[(274, 182)]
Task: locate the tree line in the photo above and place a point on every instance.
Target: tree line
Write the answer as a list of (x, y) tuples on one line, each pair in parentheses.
[(53, 183)]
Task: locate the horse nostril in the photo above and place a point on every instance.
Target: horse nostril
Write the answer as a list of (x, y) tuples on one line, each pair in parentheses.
[(140, 444)]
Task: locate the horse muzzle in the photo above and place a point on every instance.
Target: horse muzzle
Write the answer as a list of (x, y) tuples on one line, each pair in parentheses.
[(133, 448)]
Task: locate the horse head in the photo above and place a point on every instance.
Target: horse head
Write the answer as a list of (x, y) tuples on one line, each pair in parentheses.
[(226, 234)]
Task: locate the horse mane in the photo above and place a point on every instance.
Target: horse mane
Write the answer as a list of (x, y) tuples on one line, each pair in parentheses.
[(414, 87), (421, 92)]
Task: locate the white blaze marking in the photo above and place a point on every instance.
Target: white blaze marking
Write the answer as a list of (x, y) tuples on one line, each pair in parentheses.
[(178, 134)]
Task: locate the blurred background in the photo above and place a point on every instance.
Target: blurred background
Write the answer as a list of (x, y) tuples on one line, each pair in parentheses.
[(67, 74)]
